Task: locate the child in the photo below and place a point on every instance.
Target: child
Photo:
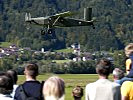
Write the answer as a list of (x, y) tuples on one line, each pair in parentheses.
[(77, 93), (129, 61)]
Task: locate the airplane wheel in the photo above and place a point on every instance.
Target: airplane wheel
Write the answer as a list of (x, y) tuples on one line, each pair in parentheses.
[(50, 31), (42, 32)]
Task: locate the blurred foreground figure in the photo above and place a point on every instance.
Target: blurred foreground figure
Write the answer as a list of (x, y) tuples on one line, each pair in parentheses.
[(127, 90), (54, 89), (77, 93), (32, 88), (103, 89), (13, 74), (6, 87), (129, 61), (127, 86), (118, 74)]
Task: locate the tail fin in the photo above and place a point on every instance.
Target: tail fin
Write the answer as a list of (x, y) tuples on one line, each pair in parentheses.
[(27, 17), (87, 14)]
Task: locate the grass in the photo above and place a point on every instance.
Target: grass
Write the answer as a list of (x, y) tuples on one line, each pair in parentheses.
[(71, 80), (5, 44), (68, 50), (60, 61)]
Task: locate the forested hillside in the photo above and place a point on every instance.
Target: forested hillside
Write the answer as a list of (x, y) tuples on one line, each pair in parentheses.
[(114, 26)]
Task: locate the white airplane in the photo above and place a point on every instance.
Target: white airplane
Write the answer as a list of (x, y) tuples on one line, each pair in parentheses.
[(61, 20)]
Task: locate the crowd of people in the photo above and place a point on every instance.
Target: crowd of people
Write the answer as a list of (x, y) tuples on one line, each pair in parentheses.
[(54, 87)]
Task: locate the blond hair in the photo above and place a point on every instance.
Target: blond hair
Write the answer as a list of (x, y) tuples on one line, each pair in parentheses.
[(54, 88), (129, 49)]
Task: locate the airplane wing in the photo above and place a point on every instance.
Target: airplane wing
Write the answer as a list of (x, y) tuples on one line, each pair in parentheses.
[(46, 20), (64, 14)]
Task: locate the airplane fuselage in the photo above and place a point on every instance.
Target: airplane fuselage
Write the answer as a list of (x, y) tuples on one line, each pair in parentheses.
[(62, 22)]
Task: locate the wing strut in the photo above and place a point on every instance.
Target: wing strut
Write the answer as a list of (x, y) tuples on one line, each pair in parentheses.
[(56, 20)]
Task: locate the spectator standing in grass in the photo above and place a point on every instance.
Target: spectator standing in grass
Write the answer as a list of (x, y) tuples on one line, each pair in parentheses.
[(54, 89), (127, 86), (118, 74), (129, 64), (31, 86), (129, 61), (6, 87), (13, 74), (103, 88), (127, 90)]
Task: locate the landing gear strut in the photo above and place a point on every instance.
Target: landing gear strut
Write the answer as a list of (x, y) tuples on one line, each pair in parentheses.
[(47, 31), (43, 32)]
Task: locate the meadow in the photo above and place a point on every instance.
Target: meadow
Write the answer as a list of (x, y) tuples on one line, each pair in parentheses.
[(68, 50), (5, 44), (71, 80)]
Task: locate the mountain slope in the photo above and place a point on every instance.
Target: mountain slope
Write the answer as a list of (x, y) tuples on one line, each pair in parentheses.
[(114, 28)]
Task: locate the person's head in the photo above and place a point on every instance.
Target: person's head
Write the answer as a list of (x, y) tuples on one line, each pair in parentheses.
[(54, 88), (31, 70), (77, 92), (103, 67), (6, 84), (118, 73), (13, 74), (129, 49)]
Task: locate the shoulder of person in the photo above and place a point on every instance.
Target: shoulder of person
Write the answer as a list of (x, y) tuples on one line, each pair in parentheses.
[(18, 88), (128, 60), (127, 83), (90, 85), (116, 84)]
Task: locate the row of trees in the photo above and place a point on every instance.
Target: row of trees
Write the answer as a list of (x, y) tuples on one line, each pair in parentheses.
[(46, 64)]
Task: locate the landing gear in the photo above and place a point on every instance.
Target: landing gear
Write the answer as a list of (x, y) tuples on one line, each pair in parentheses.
[(50, 31), (47, 31), (43, 32)]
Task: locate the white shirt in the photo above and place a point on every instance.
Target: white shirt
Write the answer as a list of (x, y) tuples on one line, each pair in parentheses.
[(5, 97), (102, 89), (14, 89)]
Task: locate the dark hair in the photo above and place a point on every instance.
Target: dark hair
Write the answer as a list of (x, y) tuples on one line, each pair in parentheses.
[(32, 69), (77, 92), (103, 67), (6, 84), (13, 74)]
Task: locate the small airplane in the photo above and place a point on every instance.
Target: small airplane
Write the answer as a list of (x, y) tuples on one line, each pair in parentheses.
[(61, 20)]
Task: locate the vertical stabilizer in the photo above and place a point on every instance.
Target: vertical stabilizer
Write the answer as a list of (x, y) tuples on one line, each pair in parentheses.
[(87, 14), (27, 17)]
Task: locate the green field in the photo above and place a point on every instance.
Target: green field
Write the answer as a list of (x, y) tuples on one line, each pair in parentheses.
[(5, 44), (71, 80), (61, 61), (69, 50)]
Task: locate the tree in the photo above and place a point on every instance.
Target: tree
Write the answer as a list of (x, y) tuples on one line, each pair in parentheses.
[(119, 59)]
